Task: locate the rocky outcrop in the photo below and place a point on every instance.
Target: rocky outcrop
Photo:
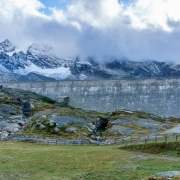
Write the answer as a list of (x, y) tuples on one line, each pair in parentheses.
[(26, 106), (120, 130), (101, 124)]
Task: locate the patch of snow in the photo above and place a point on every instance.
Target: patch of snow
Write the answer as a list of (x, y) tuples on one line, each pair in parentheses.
[(82, 77), (57, 73), (12, 52), (84, 62)]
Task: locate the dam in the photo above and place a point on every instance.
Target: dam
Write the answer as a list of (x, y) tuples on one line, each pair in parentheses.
[(160, 96)]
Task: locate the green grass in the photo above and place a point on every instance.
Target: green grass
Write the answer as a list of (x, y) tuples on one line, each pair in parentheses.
[(50, 162), (170, 148)]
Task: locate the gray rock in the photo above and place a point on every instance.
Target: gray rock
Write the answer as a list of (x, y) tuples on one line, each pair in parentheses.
[(56, 129), (21, 122), (3, 124), (17, 117), (93, 137), (168, 174), (44, 116), (84, 134), (71, 129), (91, 126), (66, 120), (26, 108), (6, 110), (89, 129), (149, 124), (153, 130), (119, 130), (52, 123), (74, 142), (42, 126), (13, 128), (33, 127), (121, 121)]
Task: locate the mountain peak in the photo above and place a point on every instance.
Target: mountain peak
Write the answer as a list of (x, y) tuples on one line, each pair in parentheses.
[(6, 41), (40, 49), (6, 46)]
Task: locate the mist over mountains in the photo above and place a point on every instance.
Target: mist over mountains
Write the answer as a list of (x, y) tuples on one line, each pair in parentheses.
[(39, 63)]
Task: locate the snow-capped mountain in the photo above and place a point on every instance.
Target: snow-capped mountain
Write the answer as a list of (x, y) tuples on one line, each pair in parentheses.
[(38, 60), (6, 46), (40, 63)]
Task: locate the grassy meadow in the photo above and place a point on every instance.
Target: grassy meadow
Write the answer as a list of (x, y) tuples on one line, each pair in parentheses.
[(50, 162)]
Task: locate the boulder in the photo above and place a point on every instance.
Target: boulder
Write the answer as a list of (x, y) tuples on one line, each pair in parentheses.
[(21, 122), (71, 129), (26, 108), (165, 176), (119, 130), (66, 120), (56, 129), (52, 123), (13, 128), (42, 126)]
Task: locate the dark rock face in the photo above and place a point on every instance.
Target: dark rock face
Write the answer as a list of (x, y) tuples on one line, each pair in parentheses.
[(26, 106), (101, 124), (123, 68)]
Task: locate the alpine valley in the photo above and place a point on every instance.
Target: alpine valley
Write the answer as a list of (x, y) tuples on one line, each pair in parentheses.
[(39, 63)]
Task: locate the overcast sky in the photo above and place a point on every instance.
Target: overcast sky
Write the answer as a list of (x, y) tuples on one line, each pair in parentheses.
[(136, 29)]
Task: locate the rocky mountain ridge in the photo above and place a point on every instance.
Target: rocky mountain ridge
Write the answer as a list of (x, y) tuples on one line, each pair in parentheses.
[(40, 63)]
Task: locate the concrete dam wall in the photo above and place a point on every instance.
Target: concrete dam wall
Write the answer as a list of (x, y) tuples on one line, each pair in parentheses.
[(158, 96)]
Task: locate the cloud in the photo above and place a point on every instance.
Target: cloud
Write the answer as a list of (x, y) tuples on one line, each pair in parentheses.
[(102, 28)]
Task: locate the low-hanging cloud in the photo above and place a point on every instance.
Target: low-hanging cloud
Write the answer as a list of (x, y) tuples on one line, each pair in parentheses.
[(139, 30)]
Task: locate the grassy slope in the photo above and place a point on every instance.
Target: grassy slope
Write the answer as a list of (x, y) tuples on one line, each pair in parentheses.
[(37, 162), (170, 148)]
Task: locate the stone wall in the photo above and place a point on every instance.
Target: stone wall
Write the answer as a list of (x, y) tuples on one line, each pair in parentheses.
[(157, 96)]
